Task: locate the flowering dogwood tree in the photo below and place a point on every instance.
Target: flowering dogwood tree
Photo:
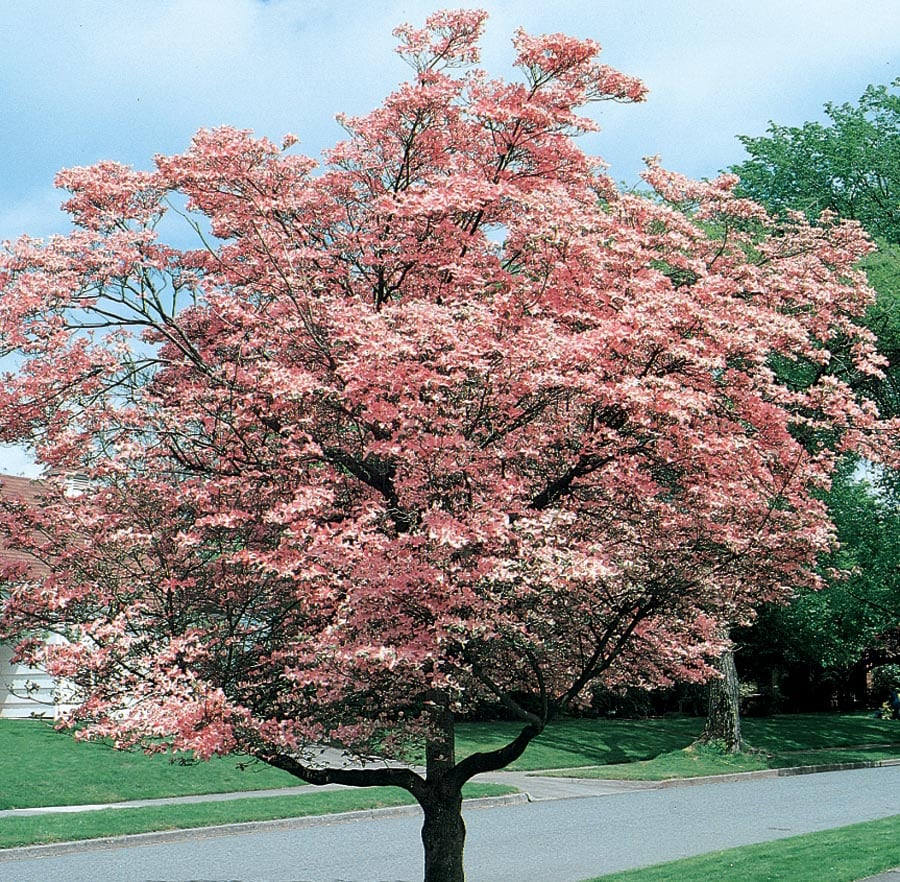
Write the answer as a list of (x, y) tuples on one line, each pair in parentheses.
[(448, 420)]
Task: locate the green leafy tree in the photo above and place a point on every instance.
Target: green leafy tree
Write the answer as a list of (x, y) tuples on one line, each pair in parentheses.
[(850, 165), (883, 318), (824, 636)]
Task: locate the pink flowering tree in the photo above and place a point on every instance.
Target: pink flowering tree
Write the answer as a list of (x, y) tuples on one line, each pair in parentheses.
[(448, 420)]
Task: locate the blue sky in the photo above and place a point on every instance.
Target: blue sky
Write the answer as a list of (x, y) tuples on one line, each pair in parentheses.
[(84, 80)]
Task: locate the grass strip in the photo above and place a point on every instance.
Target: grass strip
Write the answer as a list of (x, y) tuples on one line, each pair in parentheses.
[(844, 854), (74, 826), (699, 761)]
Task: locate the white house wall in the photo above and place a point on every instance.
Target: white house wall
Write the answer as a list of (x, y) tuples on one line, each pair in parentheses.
[(24, 692)]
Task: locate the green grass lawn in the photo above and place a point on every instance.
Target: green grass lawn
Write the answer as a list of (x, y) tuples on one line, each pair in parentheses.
[(842, 855), (655, 748), (584, 742), (774, 743), (699, 761), (813, 731), (40, 766), (32, 754), (72, 826)]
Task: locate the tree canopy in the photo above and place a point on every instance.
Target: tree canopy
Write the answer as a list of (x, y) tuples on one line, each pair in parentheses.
[(826, 634), (448, 419), (850, 165)]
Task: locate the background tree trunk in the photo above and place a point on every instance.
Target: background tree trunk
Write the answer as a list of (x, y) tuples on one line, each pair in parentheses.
[(723, 716)]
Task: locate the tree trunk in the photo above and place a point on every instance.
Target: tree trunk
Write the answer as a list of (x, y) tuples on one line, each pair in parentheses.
[(444, 834), (443, 831), (723, 718), (439, 792)]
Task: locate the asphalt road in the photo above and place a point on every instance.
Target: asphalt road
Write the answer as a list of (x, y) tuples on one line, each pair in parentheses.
[(554, 841)]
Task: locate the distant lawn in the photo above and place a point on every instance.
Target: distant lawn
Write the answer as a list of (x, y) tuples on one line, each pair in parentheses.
[(40, 766), (841, 855), (773, 743), (584, 742), (573, 743), (813, 731), (693, 762), (73, 826)]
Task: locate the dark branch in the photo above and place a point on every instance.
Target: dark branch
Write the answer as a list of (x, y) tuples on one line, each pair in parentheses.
[(561, 485), (405, 778), (603, 656), (377, 474), (490, 761)]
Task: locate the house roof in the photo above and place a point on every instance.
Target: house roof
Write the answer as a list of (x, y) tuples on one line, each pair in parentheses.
[(26, 489)]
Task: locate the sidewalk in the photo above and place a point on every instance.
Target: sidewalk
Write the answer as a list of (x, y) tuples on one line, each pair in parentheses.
[(535, 786)]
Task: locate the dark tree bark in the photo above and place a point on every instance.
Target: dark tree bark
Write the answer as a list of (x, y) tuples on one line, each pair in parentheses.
[(723, 717), (443, 830)]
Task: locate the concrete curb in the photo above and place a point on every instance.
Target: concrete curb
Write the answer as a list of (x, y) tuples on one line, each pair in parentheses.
[(789, 772), (182, 835)]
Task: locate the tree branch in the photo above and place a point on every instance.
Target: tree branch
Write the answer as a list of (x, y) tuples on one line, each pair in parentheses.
[(561, 485), (490, 761), (390, 776)]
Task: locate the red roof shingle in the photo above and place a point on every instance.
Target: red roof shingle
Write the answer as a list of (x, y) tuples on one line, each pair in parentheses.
[(26, 489)]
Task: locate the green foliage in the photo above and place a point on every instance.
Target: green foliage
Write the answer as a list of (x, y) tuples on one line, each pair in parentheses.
[(883, 272), (886, 677), (883, 319), (886, 681), (850, 166), (843, 621), (831, 630)]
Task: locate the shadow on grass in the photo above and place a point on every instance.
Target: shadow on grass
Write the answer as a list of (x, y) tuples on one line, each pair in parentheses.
[(584, 742), (815, 731)]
